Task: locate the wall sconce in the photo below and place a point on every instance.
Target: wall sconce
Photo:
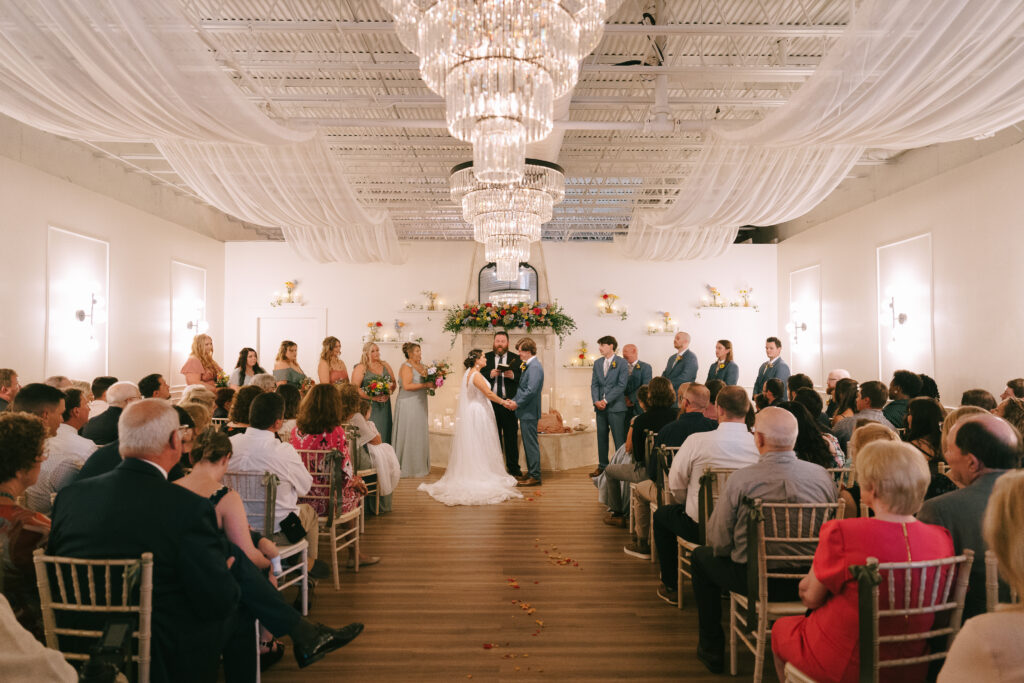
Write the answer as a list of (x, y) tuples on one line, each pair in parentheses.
[(197, 326), (896, 319), (795, 329), (81, 316)]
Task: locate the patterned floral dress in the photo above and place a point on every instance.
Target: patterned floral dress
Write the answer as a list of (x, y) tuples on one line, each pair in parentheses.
[(333, 440)]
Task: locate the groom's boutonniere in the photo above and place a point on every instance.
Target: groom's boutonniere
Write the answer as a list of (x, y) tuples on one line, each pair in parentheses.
[(522, 366), (613, 364)]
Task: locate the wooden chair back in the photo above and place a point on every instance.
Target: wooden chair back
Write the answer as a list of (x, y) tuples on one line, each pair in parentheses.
[(993, 586), (910, 589), (712, 483), (218, 422), (843, 476), (663, 455), (73, 586), (259, 495), (319, 464)]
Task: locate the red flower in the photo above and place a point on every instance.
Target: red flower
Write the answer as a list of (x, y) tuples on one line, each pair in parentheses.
[(582, 356), (380, 324), (474, 310), (604, 296), (487, 305), (536, 311), (502, 312)]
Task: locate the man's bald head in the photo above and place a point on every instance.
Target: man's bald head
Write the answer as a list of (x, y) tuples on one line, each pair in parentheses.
[(681, 341), (990, 439), (835, 376), (630, 353), (775, 429)]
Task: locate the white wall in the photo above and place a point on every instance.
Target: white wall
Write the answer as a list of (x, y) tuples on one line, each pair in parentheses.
[(142, 248), (974, 216), (346, 297)]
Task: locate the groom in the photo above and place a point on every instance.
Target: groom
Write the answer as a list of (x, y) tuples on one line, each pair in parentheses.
[(527, 406)]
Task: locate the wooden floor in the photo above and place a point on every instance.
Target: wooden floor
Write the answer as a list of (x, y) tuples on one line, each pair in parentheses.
[(445, 590)]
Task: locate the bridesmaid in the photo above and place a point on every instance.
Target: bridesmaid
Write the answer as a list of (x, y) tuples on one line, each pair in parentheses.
[(724, 368), (201, 368), (331, 369), (247, 367), (371, 368), (412, 444), (286, 369)]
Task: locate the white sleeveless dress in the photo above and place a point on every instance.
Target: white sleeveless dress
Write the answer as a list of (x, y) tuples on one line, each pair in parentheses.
[(476, 467)]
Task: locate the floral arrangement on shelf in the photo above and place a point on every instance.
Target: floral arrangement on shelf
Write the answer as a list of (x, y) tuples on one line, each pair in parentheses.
[(525, 315), (667, 324), (289, 296), (378, 387), (718, 301), (374, 327), (437, 372), (431, 299), (582, 360), (399, 326), (222, 379), (607, 305), (745, 296)]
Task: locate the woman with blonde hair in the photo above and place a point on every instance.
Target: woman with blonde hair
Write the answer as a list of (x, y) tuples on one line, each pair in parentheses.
[(201, 395), (286, 368), (824, 644), (201, 368), (987, 647), (862, 436), (412, 443), (331, 368), (373, 372)]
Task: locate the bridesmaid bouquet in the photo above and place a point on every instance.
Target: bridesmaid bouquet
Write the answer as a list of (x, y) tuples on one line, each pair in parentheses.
[(222, 379), (378, 387), (436, 374)]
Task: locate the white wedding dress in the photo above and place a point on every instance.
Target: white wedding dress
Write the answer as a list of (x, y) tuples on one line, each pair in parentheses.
[(476, 467)]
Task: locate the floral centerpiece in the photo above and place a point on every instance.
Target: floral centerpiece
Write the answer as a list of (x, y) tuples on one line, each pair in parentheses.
[(525, 315), (374, 327), (436, 373), (222, 379), (378, 387)]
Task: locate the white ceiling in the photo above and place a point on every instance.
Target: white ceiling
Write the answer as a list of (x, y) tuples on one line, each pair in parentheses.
[(338, 65)]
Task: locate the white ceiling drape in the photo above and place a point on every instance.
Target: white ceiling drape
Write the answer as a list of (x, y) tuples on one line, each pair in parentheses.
[(138, 71), (904, 74)]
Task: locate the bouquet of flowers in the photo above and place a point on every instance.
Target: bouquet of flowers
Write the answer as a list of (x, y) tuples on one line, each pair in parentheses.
[(436, 374), (378, 387), (222, 379), (307, 384)]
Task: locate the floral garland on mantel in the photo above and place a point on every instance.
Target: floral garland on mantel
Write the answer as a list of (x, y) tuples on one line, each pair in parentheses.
[(528, 316)]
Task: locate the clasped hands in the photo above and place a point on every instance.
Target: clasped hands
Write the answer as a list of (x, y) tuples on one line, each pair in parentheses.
[(601, 405), (509, 404)]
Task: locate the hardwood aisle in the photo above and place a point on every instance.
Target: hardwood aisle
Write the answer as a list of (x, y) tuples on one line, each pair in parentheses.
[(445, 589)]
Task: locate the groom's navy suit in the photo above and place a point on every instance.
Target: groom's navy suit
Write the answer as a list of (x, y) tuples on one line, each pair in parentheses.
[(608, 383), (527, 400)]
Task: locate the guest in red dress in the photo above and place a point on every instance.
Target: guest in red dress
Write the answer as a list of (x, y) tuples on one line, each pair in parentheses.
[(824, 645), (201, 368)]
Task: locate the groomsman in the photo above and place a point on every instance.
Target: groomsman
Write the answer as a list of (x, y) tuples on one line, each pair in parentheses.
[(505, 384), (682, 365), (773, 367), (608, 392), (640, 374)]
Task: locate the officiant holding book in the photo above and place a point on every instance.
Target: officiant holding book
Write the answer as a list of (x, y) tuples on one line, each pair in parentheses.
[(503, 370)]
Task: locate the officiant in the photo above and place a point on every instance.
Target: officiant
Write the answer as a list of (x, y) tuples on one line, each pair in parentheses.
[(503, 369)]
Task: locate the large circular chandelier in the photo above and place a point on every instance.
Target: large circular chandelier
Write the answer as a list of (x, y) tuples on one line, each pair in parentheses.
[(500, 65), (508, 218)]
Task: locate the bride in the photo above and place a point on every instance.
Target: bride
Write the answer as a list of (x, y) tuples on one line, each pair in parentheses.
[(476, 468)]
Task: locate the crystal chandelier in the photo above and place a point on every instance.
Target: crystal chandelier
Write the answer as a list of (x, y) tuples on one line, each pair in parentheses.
[(500, 65), (508, 218)]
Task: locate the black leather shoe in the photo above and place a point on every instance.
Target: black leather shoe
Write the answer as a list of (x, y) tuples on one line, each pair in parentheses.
[(326, 640), (321, 570), (712, 658)]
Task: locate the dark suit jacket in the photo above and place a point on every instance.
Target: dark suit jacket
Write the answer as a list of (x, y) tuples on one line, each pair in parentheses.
[(676, 432), (514, 362), (105, 458), (640, 376), (103, 428), (133, 510)]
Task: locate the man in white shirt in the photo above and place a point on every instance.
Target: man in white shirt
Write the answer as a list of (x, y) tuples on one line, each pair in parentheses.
[(99, 392), (731, 446), (65, 453), (259, 450)]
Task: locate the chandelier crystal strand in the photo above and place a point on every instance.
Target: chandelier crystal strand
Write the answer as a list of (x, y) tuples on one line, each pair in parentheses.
[(492, 208), (507, 270)]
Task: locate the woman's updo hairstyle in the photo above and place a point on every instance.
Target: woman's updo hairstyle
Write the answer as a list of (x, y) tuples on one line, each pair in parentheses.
[(407, 348), (212, 445), (472, 358)]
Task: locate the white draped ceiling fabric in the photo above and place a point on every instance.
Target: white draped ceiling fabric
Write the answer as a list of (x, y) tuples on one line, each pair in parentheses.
[(904, 74), (137, 71)]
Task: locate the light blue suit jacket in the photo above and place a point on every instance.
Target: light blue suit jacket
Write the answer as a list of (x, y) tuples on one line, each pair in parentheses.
[(610, 386), (685, 370), (641, 376), (527, 398), (765, 373)]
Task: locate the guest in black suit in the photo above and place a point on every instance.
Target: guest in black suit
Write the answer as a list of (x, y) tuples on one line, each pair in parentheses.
[(102, 429), (505, 385), (105, 458), (198, 579)]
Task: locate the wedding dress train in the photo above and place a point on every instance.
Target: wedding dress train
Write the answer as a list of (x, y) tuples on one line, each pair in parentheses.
[(476, 467)]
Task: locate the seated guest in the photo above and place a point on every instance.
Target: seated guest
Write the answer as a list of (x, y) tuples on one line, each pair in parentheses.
[(862, 436), (824, 644), (291, 396), (239, 417), (775, 391), (928, 387), (102, 429), (265, 382), (66, 451), (797, 382), (844, 400), (988, 647), (154, 386), (714, 386), (978, 397), (201, 394), (812, 443), (25, 659), (201, 420), (201, 368), (318, 427), (44, 402), (870, 400), (85, 388), (955, 416), (22, 439), (830, 388), (904, 386), (373, 452), (730, 446), (58, 382), (8, 387), (1014, 389), (1012, 410), (811, 399), (659, 410), (774, 367), (724, 368), (761, 401), (721, 565), (979, 450), (225, 396), (924, 432), (105, 458), (99, 388), (693, 400), (198, 579), (258, 450), (246, 369)]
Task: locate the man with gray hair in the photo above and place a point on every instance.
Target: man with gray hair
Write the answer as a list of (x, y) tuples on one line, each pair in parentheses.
[(265, 381), (102, 429), (721, 565), (58, 382), (8, 387)]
